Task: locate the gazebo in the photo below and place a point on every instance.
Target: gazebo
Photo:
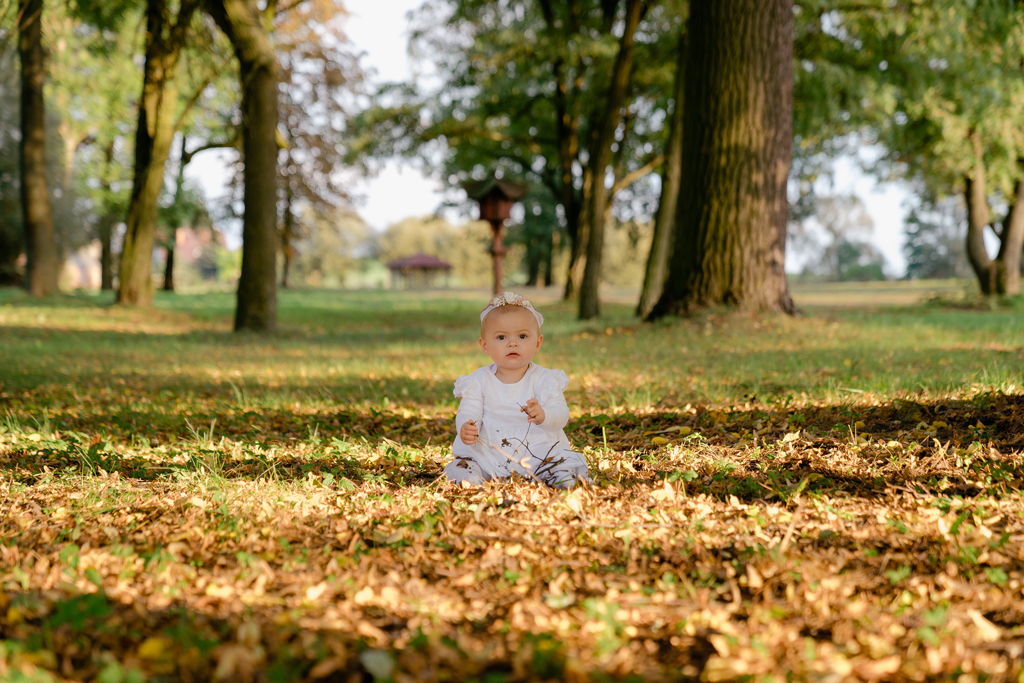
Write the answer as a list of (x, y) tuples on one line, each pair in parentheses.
[(418, 270)]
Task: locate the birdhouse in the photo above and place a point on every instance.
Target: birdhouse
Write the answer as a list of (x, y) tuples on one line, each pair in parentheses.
[(495, 197)]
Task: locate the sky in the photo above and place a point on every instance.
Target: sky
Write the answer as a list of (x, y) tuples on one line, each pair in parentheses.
[(379, 28)]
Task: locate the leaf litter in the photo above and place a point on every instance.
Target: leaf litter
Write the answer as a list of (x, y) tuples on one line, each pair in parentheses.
[(876, 539)]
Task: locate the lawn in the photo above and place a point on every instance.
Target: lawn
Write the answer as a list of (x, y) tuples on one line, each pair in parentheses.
[(833, 496)]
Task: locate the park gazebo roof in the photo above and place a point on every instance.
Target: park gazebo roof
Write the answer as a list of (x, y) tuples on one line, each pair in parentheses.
[(418, 261)]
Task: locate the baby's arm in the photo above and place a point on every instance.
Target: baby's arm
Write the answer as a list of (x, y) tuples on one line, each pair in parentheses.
[(471, 408), (554, 411)]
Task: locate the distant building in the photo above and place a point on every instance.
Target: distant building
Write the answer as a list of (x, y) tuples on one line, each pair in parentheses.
[(418, 270)]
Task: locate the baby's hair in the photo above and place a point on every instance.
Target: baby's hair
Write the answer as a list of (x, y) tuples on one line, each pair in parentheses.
[(503, 308), (507, 301)]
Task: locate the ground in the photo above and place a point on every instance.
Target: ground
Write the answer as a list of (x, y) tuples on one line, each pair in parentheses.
[(834, 496)]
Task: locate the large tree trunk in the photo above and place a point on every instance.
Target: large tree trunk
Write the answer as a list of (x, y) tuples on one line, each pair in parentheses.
[(664, 220), (43, 259), (737, 143), (257, 287), (153, 137), (601, 160)]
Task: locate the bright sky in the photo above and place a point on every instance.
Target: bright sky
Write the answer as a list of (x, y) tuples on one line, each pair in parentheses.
[(380, 29)]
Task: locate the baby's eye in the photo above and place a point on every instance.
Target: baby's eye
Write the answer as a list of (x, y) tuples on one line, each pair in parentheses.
[(501, 337), (523, 336)]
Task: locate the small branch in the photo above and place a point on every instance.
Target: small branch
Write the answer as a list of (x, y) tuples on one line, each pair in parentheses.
[(636, 174), (187, 156)]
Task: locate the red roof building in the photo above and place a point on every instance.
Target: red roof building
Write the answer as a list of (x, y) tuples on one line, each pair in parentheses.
[(418, 270)]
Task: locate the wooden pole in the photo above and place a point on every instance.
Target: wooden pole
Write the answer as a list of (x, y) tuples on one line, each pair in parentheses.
[(498, 254)]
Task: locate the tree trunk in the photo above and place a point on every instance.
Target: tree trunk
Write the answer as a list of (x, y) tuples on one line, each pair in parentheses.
[(106, 237), (549, 260), (107, 221), (175, 222), (978, 218), (601, 159), (257, 287), (661, 242), (1012, 243), (568, 137), (153, 137), (43, 259), (288, 236), (737, 143)]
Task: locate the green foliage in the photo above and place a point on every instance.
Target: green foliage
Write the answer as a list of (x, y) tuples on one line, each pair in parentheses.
[(505, 104)]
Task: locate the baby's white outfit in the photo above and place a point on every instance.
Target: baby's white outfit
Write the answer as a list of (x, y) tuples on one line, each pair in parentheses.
[(509, 444)]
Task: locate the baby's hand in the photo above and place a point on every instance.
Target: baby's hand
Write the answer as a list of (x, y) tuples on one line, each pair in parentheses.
[(469, 432), (534, 412)]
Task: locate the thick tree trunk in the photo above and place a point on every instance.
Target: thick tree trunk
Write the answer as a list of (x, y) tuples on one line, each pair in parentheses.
[(257, 287), (737, 143), (43, 259), (664, 220), (153, 137)]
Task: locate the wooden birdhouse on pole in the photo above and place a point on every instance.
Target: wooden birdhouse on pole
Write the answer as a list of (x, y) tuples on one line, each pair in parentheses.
[(495, 197)]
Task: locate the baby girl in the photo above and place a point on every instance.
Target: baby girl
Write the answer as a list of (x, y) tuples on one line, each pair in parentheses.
[(512, 412)]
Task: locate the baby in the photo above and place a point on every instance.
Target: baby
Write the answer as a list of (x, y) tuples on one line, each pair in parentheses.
[(512, 412)]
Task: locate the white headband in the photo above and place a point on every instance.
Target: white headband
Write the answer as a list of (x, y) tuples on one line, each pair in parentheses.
[(511, 299)]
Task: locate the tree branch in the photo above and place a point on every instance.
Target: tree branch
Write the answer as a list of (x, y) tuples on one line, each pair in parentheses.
[(186, 156), (637, 173)]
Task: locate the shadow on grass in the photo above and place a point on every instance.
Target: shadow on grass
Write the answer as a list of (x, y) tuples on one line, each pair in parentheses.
[(962, 447)]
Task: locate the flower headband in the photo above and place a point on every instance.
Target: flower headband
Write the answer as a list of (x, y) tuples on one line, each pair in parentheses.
[(511, 299)]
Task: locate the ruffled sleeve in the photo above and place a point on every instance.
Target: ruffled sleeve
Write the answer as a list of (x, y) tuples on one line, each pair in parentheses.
[(471, 405), (550, 388)]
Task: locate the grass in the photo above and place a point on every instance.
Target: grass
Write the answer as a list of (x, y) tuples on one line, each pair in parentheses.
[(836, 494)]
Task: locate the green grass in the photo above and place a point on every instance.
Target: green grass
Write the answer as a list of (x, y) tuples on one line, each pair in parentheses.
[(838, 492)]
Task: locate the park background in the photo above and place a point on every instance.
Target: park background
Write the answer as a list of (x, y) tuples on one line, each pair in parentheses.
[(234, 473)]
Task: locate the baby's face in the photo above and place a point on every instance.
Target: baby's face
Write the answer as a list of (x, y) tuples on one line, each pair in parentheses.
[(511, 338)]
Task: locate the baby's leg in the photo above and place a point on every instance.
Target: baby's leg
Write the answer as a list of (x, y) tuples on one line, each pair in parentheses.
[(465, 470)]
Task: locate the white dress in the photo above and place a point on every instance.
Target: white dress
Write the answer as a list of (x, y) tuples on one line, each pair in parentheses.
[(509, 444)]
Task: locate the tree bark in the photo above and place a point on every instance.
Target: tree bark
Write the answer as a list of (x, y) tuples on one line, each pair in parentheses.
[(656, 269), (601, 160), (978, 218), (175, 222), (737, 143), (153, 137), (43, 259), (257, 287), (1012, 245), (288, 236), (999, 276), (107, 221)]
